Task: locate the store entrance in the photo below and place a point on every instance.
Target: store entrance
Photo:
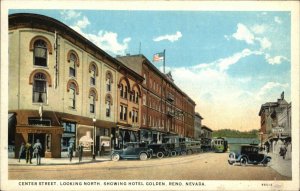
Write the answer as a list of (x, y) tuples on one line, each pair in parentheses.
[(32, 137)]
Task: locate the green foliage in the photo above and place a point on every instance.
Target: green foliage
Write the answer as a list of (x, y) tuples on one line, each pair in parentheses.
[(235, 133)]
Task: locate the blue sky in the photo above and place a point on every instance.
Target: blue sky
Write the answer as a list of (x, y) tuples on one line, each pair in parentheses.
[(228, 62)]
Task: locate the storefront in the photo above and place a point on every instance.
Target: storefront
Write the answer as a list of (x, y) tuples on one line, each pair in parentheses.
[(49, 136)]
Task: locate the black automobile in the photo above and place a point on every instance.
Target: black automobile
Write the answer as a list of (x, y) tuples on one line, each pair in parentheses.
[(132, 150), (159, 150), (248, 154)]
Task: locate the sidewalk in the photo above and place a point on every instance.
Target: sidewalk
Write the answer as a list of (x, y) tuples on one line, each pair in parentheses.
[(282, 166), (58, 161)]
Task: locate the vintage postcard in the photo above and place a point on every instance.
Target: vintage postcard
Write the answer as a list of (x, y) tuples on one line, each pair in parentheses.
[(150, 95)]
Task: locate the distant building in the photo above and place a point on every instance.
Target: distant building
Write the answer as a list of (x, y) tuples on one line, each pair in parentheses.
[(197, 126), (276, 120), (205, 137)]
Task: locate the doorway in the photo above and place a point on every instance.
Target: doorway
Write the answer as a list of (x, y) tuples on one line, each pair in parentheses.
[(32, 137)]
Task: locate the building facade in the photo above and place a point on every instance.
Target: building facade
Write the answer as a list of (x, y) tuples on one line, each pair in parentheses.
[(197, 126), (206, 137), (276, 120), (63, 89), (166, 110)]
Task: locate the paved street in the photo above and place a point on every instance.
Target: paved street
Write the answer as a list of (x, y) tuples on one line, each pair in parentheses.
[(204, 166)]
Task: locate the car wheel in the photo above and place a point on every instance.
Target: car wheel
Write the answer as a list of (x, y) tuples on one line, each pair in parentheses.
[(115, 157), (173, 153), (183, 152), (231, 163), (265, 164), (243, 161), (150, 156), (143, 156), (160, 155)]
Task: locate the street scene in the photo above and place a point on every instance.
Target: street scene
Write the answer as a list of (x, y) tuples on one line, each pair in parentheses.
[(204, 166), (150, 95)]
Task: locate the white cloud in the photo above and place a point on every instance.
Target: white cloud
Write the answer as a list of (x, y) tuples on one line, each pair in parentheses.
[(264, 43), (244, 34), (224, 63), (70, 14), (108, 41), (275, 60), (83, 22), (271, 89), (258, 29), (169, 37), (277, 20)]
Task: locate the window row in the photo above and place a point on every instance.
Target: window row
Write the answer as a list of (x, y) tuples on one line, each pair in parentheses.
[(41, 47), (133, 96), (39, 93)]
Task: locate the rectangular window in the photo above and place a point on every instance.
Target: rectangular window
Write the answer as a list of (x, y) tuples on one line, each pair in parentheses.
[(107, 108), (125, 113), (93, 81), (121, 112), (69, 127), (72, 98), (39, 92), (136, 116), (40, 56)]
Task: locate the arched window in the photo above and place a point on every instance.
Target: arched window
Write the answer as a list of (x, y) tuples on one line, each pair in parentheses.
[(92, 102), (108, 81), (125, 92), (133, 96), (39, 91), (72, 68), (137, 97), (121, 90), (93, 74), (40, 53), (108, 103), (72, 96)]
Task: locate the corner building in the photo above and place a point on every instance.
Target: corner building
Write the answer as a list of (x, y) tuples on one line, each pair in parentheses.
[(62, 88), (166, 109)]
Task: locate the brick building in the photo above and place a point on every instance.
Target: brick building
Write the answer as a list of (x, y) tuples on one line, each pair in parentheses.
[(166, 109), (63, 88)]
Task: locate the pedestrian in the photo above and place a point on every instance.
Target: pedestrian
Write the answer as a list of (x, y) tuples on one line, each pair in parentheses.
[(282, 151), (70, 151), (102, 150), (80, 152), (22, 151), (37, 150), (28, 152)]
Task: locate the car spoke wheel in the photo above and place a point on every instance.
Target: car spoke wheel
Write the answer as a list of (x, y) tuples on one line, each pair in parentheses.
[(173, 153), (243, 161), (160, 155), (115, 157), (143, 156)]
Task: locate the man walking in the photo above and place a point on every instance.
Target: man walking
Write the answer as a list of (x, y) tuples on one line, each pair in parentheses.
[(37, 149), (28, 152), (70, 151)]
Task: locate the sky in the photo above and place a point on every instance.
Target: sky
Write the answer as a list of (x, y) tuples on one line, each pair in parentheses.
[(228, 62)]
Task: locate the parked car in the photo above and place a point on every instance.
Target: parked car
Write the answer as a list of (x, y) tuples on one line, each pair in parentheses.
[(133, 150), (248, 154), (159, 150)]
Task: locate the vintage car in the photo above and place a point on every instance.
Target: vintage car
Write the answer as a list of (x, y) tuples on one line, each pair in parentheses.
[(159, 150), (248, 154), (132, 150)]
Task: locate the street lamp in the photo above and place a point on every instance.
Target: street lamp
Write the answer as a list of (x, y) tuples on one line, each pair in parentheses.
[(94, 138)]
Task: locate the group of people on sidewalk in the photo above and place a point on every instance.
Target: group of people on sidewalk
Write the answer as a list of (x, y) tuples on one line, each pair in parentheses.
[(281, 148), (28, 151)]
